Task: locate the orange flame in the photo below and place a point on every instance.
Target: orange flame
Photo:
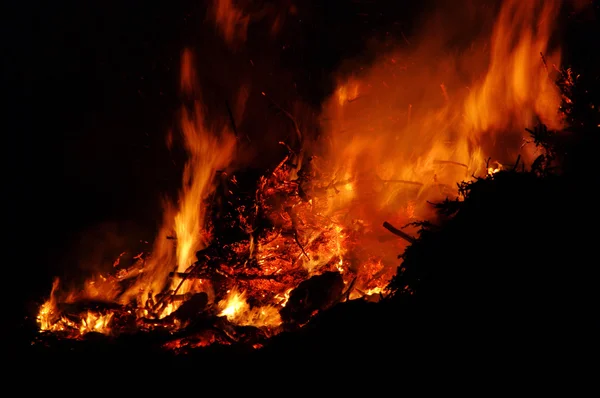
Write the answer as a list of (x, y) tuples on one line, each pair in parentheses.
[(395, 138), (208, 152), (516, 88)]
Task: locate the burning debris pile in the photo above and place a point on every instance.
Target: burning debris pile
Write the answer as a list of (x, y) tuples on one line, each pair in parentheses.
[(292, 262), (243, 256)]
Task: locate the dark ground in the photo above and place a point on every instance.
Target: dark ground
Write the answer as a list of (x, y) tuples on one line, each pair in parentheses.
[(95, 91)]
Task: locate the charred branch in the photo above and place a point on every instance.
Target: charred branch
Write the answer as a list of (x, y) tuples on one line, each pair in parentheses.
[(398, 232)]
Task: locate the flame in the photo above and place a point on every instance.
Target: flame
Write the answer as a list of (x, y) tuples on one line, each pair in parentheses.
[(49, 318), (48, 310), (410, 127), (207, 152), (237, 310), (95, 322), (516, 89)]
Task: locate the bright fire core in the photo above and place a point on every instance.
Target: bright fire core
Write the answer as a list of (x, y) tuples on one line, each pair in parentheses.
[(400, 133)]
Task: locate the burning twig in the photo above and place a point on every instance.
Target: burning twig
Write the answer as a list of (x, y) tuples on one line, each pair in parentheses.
[(290, 150), (288, 115), (164, 299), (280, 165), (294, 219), (450, 162), (399, 233), (232, 121)]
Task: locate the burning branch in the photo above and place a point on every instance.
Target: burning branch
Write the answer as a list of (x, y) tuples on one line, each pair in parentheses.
[(397, 232)]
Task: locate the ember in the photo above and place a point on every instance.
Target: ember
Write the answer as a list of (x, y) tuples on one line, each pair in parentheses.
[(326, 224)]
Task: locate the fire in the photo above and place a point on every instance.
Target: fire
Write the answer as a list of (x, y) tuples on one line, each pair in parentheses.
[(94, 322), (516, 89), (50, 318), (397, 135)]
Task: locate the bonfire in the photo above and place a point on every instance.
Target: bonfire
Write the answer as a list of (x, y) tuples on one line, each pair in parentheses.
[(327, 223)]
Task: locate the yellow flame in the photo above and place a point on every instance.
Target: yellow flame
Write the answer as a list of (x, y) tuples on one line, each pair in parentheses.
[(96, 322), (48, 311), (237, 310), (208, 151)]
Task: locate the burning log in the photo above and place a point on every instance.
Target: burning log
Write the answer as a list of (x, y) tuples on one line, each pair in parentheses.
[(314, 294), (398, 232)]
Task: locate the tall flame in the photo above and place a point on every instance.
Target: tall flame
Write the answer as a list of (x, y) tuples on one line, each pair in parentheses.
[(207, 152), (515, 88)]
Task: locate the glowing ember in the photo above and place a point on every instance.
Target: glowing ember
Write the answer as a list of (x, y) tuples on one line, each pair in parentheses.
[(396, 136)]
